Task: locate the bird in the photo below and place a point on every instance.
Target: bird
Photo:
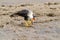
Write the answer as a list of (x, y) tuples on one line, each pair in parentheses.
[(28, 16)]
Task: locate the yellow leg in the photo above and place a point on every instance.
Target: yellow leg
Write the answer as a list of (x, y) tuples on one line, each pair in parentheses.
[(28, 23)]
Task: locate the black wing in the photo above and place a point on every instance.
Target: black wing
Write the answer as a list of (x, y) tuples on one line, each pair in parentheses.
[(22, 13)]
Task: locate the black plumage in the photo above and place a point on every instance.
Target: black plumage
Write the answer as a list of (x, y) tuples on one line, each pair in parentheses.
[(23, 13)]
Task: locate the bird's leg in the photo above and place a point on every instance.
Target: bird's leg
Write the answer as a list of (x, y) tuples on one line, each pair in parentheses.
[(28, 23)]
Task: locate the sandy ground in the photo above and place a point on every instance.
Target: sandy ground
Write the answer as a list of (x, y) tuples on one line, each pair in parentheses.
[(45, 27)]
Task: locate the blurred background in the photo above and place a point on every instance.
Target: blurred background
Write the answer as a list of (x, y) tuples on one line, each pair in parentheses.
[(25, 1)]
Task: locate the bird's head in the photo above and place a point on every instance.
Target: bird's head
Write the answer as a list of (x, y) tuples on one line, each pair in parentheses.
[(31, 16)]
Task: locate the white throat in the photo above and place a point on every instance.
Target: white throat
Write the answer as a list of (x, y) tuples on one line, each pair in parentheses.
[(30, 14)]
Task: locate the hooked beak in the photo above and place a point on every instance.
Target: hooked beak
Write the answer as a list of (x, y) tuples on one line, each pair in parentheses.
[(33, 19)]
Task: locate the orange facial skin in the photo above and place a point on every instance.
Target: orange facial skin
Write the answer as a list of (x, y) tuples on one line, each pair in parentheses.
[(33, 19)]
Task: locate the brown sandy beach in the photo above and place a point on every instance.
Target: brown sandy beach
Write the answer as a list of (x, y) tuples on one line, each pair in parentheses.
[(45, 27)]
